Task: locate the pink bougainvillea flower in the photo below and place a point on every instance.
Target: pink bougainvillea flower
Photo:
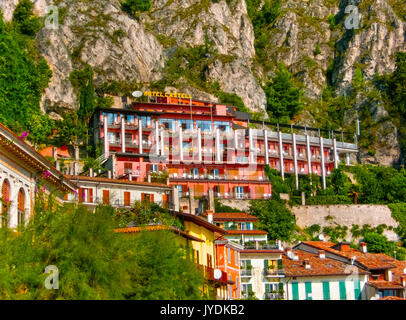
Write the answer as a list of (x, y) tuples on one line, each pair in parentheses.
[(46, 174)]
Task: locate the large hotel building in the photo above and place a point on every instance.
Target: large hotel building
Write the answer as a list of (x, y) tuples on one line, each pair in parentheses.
[(208, 146)]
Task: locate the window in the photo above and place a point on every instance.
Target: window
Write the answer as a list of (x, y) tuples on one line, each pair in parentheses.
[(343, 291), (236, 257), (209, 260), (111, 118), (147, 197), (222, 126), (128, 167), (237, 286), (205, 126), (215, 173), (114, 137), (145, 121), (186, 125), (168, 124), (295, 291), (308, 288), (239, 192), (326, 290), (130, 118), (229, 255), (242, 159), (153, 168), (180, 190), (194, 172), (21, 206)]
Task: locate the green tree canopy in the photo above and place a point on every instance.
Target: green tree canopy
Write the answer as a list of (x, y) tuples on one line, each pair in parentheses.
[(282, 96), (275, 218)]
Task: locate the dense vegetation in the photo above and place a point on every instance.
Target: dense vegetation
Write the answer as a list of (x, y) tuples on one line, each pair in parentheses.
[(24, 74), (93, 261)]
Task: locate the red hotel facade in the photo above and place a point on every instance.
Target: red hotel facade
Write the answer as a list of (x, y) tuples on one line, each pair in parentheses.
[(206, 146)]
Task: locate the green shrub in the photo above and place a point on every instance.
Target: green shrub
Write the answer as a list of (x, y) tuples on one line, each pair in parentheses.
[(132, 7)]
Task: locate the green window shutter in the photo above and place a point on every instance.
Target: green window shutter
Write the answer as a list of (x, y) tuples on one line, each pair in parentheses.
[(357, 290), (326, 290), (343, 291), (265, 264), (295, 291), (267, 287), (280, 289), (308, 287), (280, 265), (249, 287)]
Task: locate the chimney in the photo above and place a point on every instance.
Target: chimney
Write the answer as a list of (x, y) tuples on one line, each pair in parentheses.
[(403, 280), (109, 174), (57, 165), (306, 263), (322, 254), (344, 246), (363, 247), (130, 177), (209, 216), (388, 275), (90, 172), (149, 178)]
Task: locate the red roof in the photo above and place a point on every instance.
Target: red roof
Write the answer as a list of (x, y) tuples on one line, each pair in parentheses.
[(233, 216), (392, 298), (371, 261), (382, 284), (318, 267), (119, 181)]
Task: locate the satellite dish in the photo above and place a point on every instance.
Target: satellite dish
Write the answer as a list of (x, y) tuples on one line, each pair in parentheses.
[(321, 237), (217, 274), (404, 270), (137, 94)]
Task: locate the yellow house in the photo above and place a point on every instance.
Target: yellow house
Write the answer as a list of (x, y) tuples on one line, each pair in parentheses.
[(204, 252)]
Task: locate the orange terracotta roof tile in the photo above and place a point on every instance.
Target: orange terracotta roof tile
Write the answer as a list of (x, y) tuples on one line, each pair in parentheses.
[(233, 216), (382, 284), (318, 267), (371, 261), (392, 298)]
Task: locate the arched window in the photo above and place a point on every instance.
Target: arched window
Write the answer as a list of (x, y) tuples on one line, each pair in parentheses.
[(21, 206), (5, 196)]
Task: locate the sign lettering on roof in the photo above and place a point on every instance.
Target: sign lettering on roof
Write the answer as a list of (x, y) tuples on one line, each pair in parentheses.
[(167, 94)]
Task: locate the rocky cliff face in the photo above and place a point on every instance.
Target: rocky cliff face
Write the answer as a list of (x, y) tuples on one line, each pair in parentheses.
[(122, 48)]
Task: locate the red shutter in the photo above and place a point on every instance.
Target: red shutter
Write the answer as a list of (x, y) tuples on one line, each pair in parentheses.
[(80, 195), (90, 195), (148, 166), (106, 197), (152, 198), (127, 200), (142, 196)]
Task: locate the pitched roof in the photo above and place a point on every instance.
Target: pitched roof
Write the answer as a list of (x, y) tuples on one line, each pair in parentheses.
[(233, 216), (382, 284), (392, 298), (371, 261), (32, 158), (318, 267), (199, 221), (157, 228)]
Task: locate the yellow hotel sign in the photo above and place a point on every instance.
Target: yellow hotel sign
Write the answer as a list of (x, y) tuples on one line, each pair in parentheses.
[(167, 94)]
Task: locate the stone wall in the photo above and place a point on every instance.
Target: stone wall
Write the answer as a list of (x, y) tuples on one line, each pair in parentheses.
[(346, 215)]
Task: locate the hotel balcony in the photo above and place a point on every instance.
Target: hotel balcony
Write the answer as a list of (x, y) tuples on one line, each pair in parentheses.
[(259, 246), (273, 296), (274, 272), (246, 273)]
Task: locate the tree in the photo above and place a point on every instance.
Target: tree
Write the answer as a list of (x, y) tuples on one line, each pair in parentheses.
[(282, 96), (132, 7), (358, 81), (339, 181), (24, 18), (274, 217), (93, 261), (378, 243)]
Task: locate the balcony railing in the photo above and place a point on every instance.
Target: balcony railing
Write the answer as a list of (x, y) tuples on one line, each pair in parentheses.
[(266, 246), (273, 296), (273, 272), (246, 272)]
